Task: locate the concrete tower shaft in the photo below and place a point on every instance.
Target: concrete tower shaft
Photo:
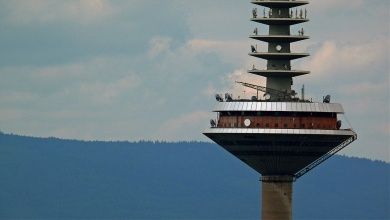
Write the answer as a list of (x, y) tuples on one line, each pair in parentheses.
[(277, 200)]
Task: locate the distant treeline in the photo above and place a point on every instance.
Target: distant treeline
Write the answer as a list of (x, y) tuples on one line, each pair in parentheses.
[(52, 178)]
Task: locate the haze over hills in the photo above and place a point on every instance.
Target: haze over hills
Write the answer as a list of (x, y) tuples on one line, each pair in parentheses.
[(49, 178)]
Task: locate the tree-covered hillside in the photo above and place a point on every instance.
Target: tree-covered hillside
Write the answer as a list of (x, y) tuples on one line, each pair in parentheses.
[(49, 178)]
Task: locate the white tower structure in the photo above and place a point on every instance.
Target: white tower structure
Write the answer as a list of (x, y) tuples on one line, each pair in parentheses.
[(282, 137)]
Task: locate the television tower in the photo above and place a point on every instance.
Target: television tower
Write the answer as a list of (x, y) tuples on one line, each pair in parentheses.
[(279, 135)]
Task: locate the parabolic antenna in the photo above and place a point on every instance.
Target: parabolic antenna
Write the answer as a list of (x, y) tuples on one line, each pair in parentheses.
[(247, 122)]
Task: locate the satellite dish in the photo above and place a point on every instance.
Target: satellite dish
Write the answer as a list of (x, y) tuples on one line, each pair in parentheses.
[(339, 123), (247, 122), (293, 93), (278, 48), (267, 96), (327, 99), (228, 97), (213, 123), (253, 49), (218, 98)]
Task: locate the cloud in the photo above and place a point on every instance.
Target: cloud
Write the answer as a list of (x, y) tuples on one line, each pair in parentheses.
[(332, 4), (366, 104), (374, 89), (109, 70), (159, 45), (210, 90), (96, 81), (17, 97), (105, 93), (10, 114), (241, 75), (184, 127), (51, 11), (234, 51), (215, 19), (211, 45), (332, 58)]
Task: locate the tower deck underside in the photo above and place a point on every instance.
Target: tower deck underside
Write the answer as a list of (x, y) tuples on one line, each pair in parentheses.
[(278, 73), (278, 38), (278, 151)]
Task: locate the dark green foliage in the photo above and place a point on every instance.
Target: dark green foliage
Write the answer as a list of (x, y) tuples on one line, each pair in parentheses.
[(50, 178)]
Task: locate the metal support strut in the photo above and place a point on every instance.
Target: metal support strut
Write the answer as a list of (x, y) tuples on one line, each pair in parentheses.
[(325, 157)]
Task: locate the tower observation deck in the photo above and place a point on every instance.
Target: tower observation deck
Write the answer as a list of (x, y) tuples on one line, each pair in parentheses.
[(280, 136)]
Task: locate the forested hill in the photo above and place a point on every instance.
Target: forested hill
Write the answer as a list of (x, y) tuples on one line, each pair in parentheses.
[(49, 178)]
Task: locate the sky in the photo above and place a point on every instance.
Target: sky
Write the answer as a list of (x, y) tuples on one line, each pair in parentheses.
[(149, 70)]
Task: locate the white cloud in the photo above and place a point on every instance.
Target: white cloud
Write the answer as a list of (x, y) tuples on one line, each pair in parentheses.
[(238, 90), (359, 89), (234, 51), (184, 127), (210, 45), (159, 45), (331, 4), (210, 90), (50, 11), (106, 92), (95, 81), (10, 114), (215, 19), (17, 97), (332, 58), (100, 98)]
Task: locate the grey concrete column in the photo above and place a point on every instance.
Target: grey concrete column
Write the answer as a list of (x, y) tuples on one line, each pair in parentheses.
[(277, 199)]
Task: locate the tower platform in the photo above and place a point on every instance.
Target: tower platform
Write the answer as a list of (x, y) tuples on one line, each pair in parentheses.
[(279, 73), (279, 56), (261, 106), (280, 21), (279, 4), (279, 138), (279, 38)]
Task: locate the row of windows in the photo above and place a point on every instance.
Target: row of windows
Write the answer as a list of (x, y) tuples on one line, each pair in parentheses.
[(300, 126), (278, 122), (267, 113)]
